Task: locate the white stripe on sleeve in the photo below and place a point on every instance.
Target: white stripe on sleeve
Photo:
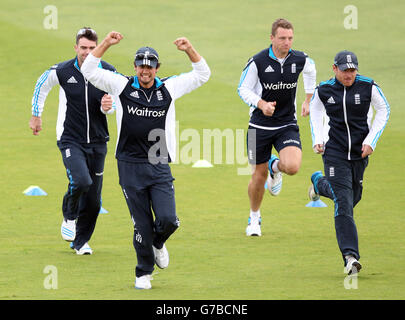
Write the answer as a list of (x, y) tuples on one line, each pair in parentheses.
[(250, 89), (44, 84), (383, 110)]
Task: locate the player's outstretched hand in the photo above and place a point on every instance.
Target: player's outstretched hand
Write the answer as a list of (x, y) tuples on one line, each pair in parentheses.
[(182, 43), (113, 38)]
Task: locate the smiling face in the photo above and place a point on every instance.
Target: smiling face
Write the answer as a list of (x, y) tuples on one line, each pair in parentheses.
[(345, 77), (83, 47), (146, 75)]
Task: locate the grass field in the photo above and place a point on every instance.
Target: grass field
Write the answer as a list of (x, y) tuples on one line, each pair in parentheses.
[(211, 258)]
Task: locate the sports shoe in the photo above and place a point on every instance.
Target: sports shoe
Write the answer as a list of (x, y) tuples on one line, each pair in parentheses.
[(143, 282), (274, 180), (313, 191), (161, 257), (352, 265), (85, 249), (68, 230), (254, 227)]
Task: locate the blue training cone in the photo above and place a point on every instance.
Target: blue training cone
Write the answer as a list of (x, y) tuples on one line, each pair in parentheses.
[(102, 210), (34, 191), (316, 204)]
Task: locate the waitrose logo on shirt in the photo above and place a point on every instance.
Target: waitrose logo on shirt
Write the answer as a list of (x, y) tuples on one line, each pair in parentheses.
[(146, 112), (279, 85)]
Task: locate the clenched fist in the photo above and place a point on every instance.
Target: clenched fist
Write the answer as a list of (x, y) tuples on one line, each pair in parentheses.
[(106, 103), (267, 107)]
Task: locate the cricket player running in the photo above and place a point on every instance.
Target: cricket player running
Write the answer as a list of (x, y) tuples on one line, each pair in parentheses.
[(82, 136), (146, 143), (351, 138), (268, 85)]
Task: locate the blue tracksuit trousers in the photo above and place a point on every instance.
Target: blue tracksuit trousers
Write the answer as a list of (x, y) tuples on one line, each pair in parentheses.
[(82, 201), (343, 183), (149, 192)]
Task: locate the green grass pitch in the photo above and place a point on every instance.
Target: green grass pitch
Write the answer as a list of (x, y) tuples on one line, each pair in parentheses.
[(211, 258)]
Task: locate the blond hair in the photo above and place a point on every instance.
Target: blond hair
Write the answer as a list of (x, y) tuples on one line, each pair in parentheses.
[(281, 23)]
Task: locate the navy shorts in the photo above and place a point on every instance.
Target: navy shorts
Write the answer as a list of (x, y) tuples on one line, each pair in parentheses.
[(260, 142)]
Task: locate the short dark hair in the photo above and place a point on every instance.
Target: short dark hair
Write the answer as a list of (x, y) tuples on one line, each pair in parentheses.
[(88, 33), (281, 23)]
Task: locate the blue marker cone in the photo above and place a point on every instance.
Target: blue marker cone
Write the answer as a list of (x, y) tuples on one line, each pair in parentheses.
[(316, 204), (102, 210), (34, 191)]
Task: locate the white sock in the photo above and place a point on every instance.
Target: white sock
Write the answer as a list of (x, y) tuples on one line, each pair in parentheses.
[(255, 215), (274, 166), (349, 257)]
